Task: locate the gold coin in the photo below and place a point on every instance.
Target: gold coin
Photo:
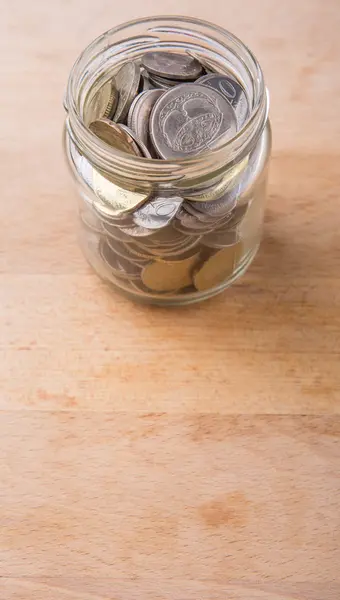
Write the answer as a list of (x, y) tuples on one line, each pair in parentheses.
[(217, 267), (103, 103), (113, 135), (216, 191), (112, 200), (161, 276)]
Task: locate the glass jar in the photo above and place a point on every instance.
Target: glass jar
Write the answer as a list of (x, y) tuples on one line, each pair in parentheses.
[(198, 254)]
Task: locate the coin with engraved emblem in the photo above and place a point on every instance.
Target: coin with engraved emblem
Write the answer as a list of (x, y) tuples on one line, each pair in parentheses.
[(158, 212), (127, 83), (172, 65), (232, 91), (189, 119)]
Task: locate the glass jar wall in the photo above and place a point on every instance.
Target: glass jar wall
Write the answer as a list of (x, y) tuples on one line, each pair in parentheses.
[(178, 230)]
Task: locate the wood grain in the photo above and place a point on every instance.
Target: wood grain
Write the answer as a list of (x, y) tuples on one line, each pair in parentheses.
[(170, 453)]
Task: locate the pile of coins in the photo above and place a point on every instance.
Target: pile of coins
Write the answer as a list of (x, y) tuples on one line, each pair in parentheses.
[(168, 105)]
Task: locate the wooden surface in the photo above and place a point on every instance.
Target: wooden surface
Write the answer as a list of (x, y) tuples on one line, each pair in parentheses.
[(178, 454)]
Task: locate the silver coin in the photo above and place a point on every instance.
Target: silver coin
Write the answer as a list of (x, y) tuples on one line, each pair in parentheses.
[(119, 265), (191, 222), (162, 82), (158, 212), (191, 242), (145, 84), (127, 83), (116, 233), (124, 250), (238, 214), (172, 65), (145, 152), (201, 216), (189, 119), (208, 65), (232, 91), (139, 114), (132, 108), (220, 207), (137, 231)]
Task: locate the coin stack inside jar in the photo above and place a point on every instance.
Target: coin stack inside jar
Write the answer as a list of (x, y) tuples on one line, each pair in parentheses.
[(168, 105)]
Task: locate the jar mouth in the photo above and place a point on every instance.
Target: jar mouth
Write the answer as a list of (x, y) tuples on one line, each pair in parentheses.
[(129, 41)]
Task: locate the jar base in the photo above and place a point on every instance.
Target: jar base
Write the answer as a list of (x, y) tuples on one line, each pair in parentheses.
[(173, 300)]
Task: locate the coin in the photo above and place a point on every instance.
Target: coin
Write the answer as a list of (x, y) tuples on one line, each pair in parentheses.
[(124, 250), (158, 212), (120, 266), (191, 222), (220, 239), (189, 119), (116, 233), (238, 214), (142, 147), (145, 83), (161, 276), (103, 103), (137, 231), (217, 268), (139, 114), (114, 135), (208, 65), (161, 82), (220, 207), (253, 217), (215, 191), (232, 91), (127, 82), (172, 65), (112, 200)]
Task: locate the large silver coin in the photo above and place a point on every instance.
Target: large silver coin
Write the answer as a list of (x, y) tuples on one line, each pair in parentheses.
[(232, 91), (139, 114), (127, 83), (189, 119), (157, 213), (172, 65)]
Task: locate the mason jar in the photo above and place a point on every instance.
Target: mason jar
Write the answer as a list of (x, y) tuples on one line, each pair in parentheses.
[(216, 198)]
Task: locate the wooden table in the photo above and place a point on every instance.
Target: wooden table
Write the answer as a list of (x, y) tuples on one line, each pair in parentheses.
[(178, 454)]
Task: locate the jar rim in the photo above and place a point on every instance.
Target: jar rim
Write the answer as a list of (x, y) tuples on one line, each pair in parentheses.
[(112, 159)]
